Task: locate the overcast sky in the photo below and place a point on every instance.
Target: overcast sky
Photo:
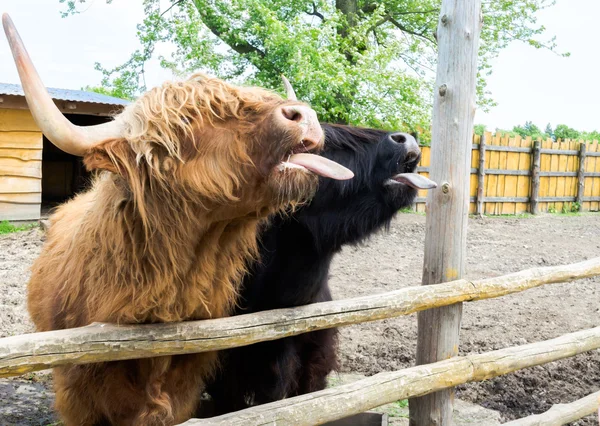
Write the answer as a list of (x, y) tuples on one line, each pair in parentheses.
[(528, 84)]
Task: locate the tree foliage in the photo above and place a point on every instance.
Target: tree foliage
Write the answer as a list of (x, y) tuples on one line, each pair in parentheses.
[(362, 62), (479, 129), (560, 132), (594, 135), (114, 91), (530, 129)]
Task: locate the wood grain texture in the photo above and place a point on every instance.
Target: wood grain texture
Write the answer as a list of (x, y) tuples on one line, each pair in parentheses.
[(492, 180), (581, 174), (594, 167), (15, 140), (561, 414), (474, 178), (17, 120), (19, 211), (501, 184), (523, 183), (510, 186), (22, 198), (481, 175), (20, 154), (15, 167), (383, 388), (535, 177), (16, 184), (20, 165), (458, 31), (553, 181)]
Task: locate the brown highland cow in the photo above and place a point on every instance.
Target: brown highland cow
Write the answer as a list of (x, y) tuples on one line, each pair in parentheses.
[(165, 233)]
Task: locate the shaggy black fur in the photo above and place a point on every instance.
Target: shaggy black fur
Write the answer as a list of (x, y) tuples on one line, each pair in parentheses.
[(296, 252)]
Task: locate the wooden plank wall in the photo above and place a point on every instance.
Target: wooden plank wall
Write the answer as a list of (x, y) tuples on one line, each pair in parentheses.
[(20, 166), (518, 184)]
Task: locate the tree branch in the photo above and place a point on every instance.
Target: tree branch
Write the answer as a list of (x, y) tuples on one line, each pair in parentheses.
[(316, 13), (406, 30), (419, 12), (171, 7), (211, 20), (378, 24)]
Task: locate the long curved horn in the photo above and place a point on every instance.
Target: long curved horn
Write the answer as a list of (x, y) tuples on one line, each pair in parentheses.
[(60, 131), (289, 90)]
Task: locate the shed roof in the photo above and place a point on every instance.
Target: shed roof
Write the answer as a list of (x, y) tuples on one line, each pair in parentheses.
[(65, 95)]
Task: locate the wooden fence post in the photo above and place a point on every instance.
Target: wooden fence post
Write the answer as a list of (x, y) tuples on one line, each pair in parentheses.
[(447, 207), (581, 174), (481, 176), (535, 176)]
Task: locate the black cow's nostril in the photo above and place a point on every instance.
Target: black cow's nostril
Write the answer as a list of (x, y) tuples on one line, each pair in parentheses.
[(412, 156), (292, 113), (399, 137)]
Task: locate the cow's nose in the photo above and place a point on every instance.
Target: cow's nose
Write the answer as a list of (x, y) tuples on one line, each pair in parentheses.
[(306, 118), (413, 152), (293, 113)]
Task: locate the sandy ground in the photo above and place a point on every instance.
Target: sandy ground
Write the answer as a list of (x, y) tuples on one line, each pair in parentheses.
[(393, 260)]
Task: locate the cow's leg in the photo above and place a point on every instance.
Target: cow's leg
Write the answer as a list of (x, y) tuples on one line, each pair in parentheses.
[(75, 397), (155, 391), (319, 358), (281, 362), (173, 386), (229, 389), (185, 381)]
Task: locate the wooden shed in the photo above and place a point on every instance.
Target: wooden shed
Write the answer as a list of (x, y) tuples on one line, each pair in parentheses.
[(34, 174)]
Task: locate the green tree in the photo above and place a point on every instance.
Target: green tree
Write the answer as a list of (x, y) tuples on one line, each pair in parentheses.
[(479, 129), (564, 132), (115, 91), (549, 131), (503, 132), (590, 136), (363, 62), (530, 129)]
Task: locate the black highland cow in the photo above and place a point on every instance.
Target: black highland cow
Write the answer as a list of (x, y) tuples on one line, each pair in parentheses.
[(296, 252)]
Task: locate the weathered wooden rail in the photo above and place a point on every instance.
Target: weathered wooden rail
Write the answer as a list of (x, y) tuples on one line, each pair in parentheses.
[(561, 414), (383, 388), (107, 342)]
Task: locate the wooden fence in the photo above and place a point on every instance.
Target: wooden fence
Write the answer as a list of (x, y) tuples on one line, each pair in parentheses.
[(519, 175), (103, 342)]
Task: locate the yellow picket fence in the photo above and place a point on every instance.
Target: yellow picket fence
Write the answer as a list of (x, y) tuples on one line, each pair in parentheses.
[(508, 176)]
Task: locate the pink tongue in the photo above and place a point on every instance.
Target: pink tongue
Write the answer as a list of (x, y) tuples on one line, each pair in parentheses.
[(415, 180), (321, 166)]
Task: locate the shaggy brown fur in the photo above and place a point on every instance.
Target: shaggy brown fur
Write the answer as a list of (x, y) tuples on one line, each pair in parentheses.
[(164, 235)]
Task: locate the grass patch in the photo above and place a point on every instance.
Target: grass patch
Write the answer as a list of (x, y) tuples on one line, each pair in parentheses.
[(515, 216), (8, 228), (409, 210), (395, 409)]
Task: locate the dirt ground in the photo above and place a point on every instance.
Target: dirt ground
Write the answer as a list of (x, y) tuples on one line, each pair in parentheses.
[(390, 261)]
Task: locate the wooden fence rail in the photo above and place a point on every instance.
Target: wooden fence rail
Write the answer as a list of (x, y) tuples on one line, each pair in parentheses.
[(516, 175), (383, 388), (106, 342), (561, 414)]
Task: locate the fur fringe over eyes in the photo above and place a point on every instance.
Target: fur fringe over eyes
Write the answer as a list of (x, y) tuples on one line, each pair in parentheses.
[(179, 139), (179, 110)]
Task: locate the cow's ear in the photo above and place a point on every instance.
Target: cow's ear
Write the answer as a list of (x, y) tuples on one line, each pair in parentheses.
[(114, 155)]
